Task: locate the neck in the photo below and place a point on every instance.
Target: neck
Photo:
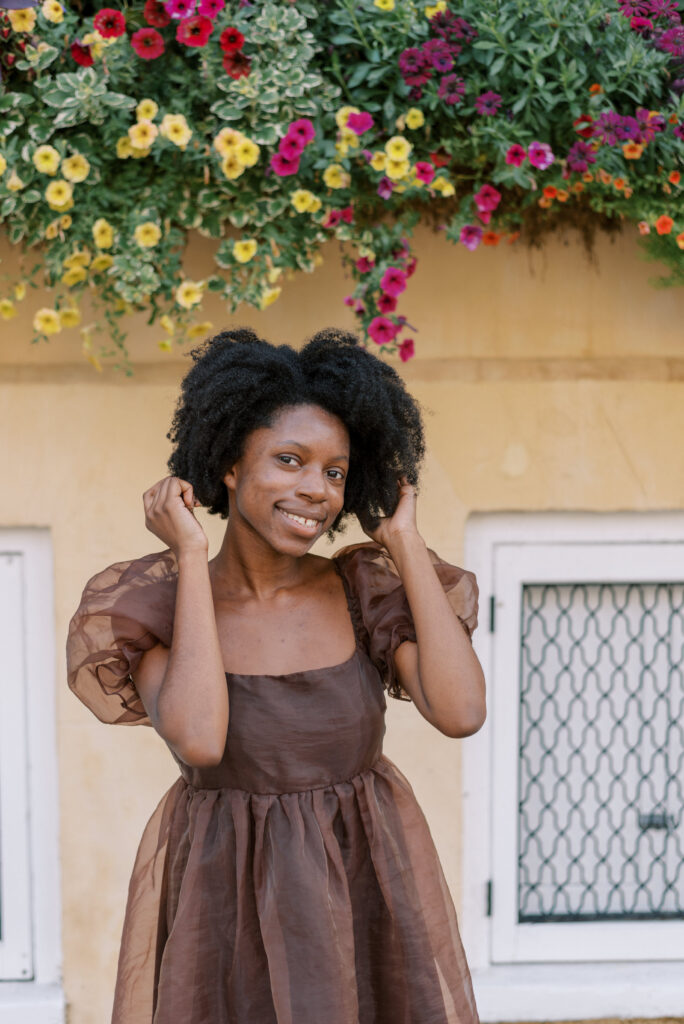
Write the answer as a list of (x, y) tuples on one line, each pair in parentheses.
[(246, 566)]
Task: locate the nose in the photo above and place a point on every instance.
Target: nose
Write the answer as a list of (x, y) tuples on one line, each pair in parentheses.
[(311, 484)]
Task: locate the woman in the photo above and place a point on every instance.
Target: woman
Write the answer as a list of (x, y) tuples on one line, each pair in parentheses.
[(289, 875)]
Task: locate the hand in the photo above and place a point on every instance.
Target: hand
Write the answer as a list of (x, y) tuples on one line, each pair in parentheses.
[(402, 523), (169, 515)]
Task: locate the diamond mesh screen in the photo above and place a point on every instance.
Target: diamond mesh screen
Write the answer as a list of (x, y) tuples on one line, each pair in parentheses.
[(601, 752)]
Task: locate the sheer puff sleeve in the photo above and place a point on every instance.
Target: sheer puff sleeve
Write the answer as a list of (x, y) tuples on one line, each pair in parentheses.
[(382, 608), (124, 611)]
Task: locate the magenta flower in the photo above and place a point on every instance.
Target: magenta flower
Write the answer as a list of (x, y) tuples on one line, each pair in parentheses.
[(360, 307), (678, 131), (347, 214), (439, 54), (387, 303), (540, 155), (210, 8), (291, 146), (451, 89), (425, 171), (672, 41), (641, 24), (488, 103), (393, 281), (407, 349), (488, 198), (414, 66), (580, 156), (386, 187), (179, 8), (411, 265), (449, 26), (470, 236), (302, 129), (516, 155), (194, 31), (382, 330), (360, 123), (349, 300), (364, 265), (283, 165), (333, 219)]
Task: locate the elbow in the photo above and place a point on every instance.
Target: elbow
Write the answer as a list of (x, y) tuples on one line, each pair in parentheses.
[(466, 725), (199, 756)]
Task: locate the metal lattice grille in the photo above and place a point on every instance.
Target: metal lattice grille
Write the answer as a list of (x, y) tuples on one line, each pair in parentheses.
[(601, 752)]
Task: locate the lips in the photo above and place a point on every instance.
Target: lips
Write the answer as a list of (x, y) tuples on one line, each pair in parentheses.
[(301, 520)]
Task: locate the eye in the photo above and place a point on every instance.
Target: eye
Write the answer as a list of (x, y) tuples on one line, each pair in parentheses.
[(281, 458), (340, 474)]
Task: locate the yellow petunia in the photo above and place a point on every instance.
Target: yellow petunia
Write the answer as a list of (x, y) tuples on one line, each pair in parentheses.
[(74, 276), (75, 168), (7, 309), (443, 186), (102, 262), (438, 8), (384, 5), (379, 161), (97, 43), (147, 234), (199, 330), (52, 11), (315, 205), (342, 115), (167, 323), (69, 317), (341, 149), (227, 141), (19, 291), (142, 134), (46, 321), (52, 230), (3, 164), (140, 154), (247, 152), (301, 199), (23, 20), (273, 274), (146, 110), (231, 166), (335, 176), (103, 234), (65, 222), (350, 137), (175, 128), (58, 194), (396, 169), (123, 147), (415, 118), (46, 159), (14, 182), (80, 258), (244, 250), (188, 294), (398, 148), (268, 297)]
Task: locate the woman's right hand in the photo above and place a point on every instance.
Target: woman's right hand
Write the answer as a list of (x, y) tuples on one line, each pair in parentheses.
[(169, 515)]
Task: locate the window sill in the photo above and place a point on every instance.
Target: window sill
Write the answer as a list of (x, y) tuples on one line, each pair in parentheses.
[(22, 1002), (581, 991)]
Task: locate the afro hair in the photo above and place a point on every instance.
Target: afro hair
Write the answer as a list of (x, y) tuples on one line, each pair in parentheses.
[(240, 382)]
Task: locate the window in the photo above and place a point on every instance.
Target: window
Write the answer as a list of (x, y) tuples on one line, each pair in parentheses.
[(574, 855), (30, 989)]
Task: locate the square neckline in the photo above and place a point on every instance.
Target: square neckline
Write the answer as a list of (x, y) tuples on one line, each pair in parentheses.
[(326, 668)]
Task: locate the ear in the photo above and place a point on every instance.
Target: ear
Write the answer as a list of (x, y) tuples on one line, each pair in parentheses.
[(230, 477)]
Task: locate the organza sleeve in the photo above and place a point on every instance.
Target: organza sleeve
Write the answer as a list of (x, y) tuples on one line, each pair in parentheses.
[(124, 610), (383, 608)]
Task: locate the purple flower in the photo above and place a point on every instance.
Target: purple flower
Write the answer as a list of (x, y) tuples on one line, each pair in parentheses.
[(360, 123), (678, 131), (540, 155), (516, 155), (414, 66), (385, 188), (470, 236), (449, 26), (438, 53), (672, 41), (451, 89), (488, 103), (580, 156), (487, 199)]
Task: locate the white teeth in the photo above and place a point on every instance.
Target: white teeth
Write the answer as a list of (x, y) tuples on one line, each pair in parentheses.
[(300, 519)]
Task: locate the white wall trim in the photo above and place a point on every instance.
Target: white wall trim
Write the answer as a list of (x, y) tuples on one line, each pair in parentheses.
[(545, 991)]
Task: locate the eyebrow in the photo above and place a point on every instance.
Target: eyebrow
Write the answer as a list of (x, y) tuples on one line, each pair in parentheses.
[(304, 447)]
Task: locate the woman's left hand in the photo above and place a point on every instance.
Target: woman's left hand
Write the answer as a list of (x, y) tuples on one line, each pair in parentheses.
[(401, 523)]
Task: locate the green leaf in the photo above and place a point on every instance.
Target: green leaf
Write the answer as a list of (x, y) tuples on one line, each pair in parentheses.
[(226, 110), (118, 100)]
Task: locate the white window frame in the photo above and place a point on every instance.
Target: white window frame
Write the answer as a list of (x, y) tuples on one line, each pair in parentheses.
[(30, 958), (565, 978)]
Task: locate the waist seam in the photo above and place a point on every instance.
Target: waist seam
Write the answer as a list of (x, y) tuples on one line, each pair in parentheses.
[(292, 792)]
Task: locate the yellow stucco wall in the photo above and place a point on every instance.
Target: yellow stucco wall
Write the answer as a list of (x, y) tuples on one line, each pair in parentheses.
[(549, 382)]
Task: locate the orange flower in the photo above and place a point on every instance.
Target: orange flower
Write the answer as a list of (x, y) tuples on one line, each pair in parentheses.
[(544, 202), (680, 240), (672, 119), (595, 88), (562, 196), (664, 224), (513, 237), (644, 228), (491, 238), (674, 177), (619, 184), (578, 187), (587, 176), (628, 192), (632, 150), (606, 178), (550, 191)]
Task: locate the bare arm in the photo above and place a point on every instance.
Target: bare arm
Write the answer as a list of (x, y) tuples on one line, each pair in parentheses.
[(441, 672), (184, 687)]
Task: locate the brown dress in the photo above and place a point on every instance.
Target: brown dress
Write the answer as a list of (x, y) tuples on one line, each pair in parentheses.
[(297, 882)]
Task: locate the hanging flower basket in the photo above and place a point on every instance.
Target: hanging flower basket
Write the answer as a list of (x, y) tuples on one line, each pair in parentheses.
[(273, 127)]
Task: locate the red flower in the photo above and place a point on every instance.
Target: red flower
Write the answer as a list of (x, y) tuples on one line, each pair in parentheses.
[(440, 158), (109, 23), (347, 214), (81, 54), (236, 64), (147, 43), (664, 224), (491, 238), (194, 31), (364, 265), (231, 39), (155, 13), (583, 119)]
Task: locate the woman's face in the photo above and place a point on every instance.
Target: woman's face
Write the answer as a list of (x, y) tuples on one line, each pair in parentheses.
[(288, 485)]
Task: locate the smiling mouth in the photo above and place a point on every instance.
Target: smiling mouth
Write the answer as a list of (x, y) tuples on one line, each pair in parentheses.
[(311, 525)]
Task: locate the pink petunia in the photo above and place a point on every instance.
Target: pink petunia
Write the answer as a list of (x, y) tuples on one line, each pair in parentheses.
[(393, 281), (382, 330), (290, 146), (360, 123), (347, 214), (211, 8), (302, 129), (411, 265), (364, 265), (283, 165), (425, 171), (516, 155), (540, 155), (385, 188), (386, 303), (470, 236), (179, 8), (194, 31), (407, 349), (349, 300), (147, 43), (333, 219), (488, 198), (484, 215)]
